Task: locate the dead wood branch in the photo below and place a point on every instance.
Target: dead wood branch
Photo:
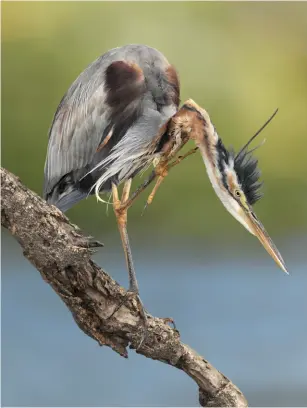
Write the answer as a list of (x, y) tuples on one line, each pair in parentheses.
[(62, 255)]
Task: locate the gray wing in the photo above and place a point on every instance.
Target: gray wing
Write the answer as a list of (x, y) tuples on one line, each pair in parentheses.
[(75, 134), (126, 93), (92, 106)]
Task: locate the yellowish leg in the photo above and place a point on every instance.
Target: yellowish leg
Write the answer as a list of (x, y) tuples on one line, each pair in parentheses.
[(120, 210), (162, 172), (140, 189), (126, 191), (121, 217)]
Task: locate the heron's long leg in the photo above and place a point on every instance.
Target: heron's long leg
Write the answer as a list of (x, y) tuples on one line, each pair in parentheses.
[(120, 210), (121, 215)]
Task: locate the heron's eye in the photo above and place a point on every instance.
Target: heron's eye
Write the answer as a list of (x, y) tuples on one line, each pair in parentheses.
[(237, 193)]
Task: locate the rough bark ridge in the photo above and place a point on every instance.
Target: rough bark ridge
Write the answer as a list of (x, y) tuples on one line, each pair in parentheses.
[(62, 255)]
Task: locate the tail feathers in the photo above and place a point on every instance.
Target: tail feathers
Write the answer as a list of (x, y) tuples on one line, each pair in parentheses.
[(67, 199)]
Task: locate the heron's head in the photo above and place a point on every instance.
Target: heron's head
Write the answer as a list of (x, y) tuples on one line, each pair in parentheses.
[(234, 177)]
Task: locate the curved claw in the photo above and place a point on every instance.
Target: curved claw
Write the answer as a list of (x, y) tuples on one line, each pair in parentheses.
[(152, 194), (170, 320), (144, 209)]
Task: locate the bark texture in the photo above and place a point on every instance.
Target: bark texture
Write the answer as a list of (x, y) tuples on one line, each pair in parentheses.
[(62, 255)]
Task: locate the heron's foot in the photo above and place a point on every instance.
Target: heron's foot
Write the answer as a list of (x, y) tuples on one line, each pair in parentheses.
[(161, 171), (132, 294)]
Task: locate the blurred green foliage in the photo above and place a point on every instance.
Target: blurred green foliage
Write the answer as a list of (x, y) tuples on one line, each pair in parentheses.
[(238, 60)]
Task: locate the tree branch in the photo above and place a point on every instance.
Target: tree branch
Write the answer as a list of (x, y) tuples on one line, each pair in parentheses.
[(62, 255)]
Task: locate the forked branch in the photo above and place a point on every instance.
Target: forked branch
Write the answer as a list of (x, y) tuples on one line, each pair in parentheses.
[(62, 255)]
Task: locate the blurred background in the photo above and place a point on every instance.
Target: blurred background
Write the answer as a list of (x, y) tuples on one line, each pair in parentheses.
[(194, 262)]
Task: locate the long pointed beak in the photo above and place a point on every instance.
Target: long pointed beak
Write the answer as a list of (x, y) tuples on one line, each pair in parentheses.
[(259, 231)]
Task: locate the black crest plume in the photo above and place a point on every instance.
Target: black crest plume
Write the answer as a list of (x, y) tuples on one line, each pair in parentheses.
[(245, 166)]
